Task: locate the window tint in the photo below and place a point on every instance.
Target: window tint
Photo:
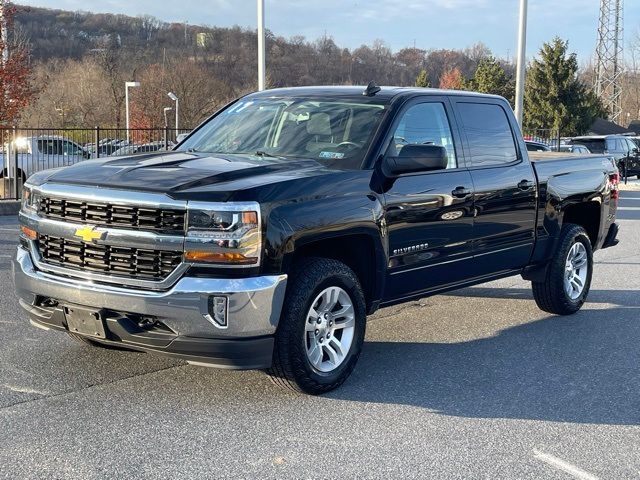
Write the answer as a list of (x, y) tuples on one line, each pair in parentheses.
[(488, 133), (424, 124), (50, 146), (71, 149), (630, 144), (612, 145), (595, 145)]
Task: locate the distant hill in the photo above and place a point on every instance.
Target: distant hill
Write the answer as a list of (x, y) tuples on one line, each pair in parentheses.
[(65, 34)]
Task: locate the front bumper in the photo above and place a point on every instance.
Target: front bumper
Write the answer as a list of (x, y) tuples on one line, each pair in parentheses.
[(176, 321)]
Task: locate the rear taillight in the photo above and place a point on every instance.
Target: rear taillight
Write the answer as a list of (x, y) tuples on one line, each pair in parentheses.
[(614, 183)]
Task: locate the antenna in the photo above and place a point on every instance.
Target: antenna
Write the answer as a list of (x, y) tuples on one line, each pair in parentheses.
[(609, 57), (371, 89)]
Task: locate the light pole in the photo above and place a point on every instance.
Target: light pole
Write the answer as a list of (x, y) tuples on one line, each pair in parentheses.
[(127, 85), (261, 47), (166, 109), (173, 97), (522, 60)]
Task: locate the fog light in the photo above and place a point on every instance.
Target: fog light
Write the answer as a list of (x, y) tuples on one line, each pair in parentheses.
[(218, 311)]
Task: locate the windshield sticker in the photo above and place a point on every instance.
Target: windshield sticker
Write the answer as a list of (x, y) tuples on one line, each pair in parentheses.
[(332, 155)]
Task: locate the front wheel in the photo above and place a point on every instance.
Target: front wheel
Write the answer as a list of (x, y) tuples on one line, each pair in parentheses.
[(568, 279), (321, 329)]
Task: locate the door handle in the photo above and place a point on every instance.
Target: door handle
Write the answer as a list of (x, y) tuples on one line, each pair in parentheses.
[(525, 184), (461, 192)]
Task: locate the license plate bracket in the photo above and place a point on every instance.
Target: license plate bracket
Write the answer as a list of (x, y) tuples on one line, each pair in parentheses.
[(84, 321)]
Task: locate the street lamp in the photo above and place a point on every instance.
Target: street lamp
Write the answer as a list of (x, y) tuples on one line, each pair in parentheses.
[(173, 97), (522, 60), (261, 47), (127, 85), (166, 109)]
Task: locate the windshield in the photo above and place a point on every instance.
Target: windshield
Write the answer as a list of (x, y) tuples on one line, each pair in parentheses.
[(332, 131)]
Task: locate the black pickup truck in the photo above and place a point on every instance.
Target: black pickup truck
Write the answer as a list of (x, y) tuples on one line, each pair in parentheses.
[(268, 235)]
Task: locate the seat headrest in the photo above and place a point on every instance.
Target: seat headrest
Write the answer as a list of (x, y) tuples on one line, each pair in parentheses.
[(319, 124)]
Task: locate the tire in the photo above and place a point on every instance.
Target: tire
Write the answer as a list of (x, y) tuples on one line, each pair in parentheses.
[(552, 295), (87, 342), (296, 336)]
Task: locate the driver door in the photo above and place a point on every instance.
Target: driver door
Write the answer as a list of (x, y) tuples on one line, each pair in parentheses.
[(429, 215)]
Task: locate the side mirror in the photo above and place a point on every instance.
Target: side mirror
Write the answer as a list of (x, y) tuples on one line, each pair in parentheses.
[(181, 137), (415, 158), (634, 152)]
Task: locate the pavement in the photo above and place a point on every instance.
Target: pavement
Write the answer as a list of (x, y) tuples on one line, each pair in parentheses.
[(474, 384)]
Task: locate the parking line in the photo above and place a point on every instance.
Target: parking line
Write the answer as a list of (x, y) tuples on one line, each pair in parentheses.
[(564, 466), (628, 208)]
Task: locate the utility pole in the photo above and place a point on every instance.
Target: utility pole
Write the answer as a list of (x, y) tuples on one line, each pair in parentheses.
[(609, 57), (521, 66), (261, 47)]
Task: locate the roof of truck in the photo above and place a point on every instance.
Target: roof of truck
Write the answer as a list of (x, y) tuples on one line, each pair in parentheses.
[(385, 93)]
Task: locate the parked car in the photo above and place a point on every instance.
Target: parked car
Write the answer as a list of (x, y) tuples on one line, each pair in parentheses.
[(577, 148), (620, 147), (144, 148), (536, 146), (31, 154), (267, 237)]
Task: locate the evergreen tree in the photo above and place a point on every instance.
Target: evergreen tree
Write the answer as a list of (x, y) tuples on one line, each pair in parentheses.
[(490, 77), (422, 80), (555, 98)]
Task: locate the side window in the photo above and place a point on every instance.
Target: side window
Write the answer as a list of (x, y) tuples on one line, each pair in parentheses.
[(70, 148), (488, 133), (630, 145), (424, 124), (611, 145)]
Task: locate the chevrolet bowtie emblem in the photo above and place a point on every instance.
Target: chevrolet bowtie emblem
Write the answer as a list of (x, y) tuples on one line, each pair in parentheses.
[(88, 234)]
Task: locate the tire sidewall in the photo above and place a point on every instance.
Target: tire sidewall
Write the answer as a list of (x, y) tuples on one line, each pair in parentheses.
[(298, 334), (578, 236)]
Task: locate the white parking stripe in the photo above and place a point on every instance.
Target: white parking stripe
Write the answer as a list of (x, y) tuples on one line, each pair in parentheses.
[(564, 466), (629, 208)]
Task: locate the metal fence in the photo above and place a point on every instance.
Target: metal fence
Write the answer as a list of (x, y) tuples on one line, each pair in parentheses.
[(24, 151), (546, 136)]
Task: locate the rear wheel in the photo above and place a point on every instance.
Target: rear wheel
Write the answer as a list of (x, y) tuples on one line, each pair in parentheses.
[(321, 328), (568, 279)]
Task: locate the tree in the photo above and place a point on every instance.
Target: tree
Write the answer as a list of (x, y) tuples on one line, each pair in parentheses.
[(555, 98), (16, 90), (452, 80), (422, 80), (490, 77)]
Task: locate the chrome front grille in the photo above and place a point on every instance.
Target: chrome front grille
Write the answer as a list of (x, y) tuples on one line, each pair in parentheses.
[(136, 263), (159, 220)]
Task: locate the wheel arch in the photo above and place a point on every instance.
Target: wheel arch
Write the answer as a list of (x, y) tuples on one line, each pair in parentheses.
[(359, 250)]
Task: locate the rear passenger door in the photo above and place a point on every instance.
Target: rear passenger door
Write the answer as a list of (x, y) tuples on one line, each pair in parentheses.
[(504, 183)]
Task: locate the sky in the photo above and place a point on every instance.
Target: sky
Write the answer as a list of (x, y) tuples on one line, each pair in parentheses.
[(400, 23)]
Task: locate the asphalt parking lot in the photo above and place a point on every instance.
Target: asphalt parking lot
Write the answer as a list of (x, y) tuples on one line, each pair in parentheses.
[(476, 384)]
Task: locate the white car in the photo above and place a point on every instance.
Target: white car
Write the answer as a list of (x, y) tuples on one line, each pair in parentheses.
[(32, 154)]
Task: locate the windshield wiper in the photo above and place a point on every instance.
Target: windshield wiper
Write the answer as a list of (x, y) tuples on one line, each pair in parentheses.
[(262, 153)]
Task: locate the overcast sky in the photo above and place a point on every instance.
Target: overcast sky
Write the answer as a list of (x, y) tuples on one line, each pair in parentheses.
[(400, 23)]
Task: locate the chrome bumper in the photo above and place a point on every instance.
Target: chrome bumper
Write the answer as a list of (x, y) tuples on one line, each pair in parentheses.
[(254, 303)]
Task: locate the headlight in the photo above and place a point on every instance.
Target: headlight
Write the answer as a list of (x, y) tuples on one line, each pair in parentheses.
[(30, 199), (223, 234)]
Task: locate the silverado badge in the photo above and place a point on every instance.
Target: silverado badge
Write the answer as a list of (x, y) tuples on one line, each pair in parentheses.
[(88, 234)]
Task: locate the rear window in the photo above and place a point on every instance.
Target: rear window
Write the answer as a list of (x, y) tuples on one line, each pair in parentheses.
[(488, 133), (594, 146)]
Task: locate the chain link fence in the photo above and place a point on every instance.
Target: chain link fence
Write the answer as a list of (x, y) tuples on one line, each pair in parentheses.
[(24, 151)]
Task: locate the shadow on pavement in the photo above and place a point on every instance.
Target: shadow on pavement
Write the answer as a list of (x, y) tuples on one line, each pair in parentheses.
[(583, 368)]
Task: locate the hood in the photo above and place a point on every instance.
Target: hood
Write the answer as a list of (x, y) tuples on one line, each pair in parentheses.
[(174, 173)]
